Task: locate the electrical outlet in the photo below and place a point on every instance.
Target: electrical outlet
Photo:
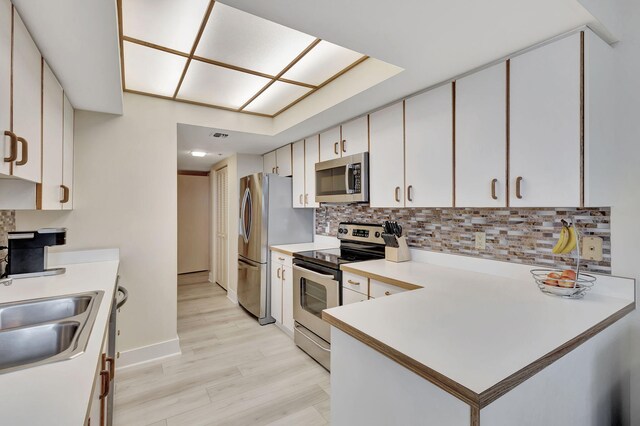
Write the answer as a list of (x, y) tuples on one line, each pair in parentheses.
[(592, 248), (481, 240)]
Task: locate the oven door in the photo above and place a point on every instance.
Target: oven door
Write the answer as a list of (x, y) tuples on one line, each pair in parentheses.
[(313, 292), (344, 179)]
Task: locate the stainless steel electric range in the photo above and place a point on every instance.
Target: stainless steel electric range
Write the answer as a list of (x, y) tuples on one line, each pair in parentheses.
[(317, 284)]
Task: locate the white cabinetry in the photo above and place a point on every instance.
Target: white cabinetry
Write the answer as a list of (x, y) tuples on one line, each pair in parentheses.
[(298, 174), (67, 159), (5, 84), (287, 297), (429, 148), (380, 289), (481, 142), (269, 162), (276, 290), (311, 157), (545, 126), (50, 193), (330, 144), (386, 157), (355, 136), (282, 290), (27, 75), (350, 296), (283, 160)]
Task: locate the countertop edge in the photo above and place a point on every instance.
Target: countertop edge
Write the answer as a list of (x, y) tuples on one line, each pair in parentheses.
[(280, 250), (461, 392), (384, 279)]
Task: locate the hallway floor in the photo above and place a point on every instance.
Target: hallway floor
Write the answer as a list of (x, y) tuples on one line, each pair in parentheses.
[(232, 371)]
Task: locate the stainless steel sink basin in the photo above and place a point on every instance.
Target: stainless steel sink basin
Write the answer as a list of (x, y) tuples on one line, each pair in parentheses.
[(27, 345), (43, 310), (41, 331)]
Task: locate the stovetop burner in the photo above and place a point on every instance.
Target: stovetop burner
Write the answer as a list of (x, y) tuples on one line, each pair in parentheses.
[(333, 258)]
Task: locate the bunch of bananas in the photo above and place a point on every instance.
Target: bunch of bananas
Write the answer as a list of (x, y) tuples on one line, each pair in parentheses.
[(568, 239)]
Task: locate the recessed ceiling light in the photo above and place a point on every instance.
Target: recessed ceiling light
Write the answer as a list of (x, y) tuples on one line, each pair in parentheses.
[(198, 153)]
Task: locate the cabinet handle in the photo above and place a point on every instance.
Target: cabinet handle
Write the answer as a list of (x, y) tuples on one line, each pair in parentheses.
[(306, 199), (277, 168), (344, 145), (518, 187), (112, 366), (65, 194), (13, 151), (25, 151), (273, 170), (387, 293), (335, 148), (353, 282), (397, 193), (278, 273), (409, 193), (301, 202), (493, 189), (281, 259), (104, 377)]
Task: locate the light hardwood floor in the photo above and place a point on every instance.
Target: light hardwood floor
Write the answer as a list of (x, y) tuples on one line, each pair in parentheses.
[(232, 371)]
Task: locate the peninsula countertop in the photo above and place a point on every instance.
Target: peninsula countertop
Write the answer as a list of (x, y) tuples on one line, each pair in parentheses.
[(475, 335), (294, 248), (59, 392)]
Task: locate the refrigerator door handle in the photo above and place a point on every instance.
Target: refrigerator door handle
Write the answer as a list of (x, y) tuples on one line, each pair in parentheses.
[(247, 230), (243, 208)]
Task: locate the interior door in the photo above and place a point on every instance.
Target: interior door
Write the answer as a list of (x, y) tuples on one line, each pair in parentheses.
[(221, 246)]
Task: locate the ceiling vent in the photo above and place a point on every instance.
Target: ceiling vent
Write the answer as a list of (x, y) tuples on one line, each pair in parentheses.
[(219, 135)]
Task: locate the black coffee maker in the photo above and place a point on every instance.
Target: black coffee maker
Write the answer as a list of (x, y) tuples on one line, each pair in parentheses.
[(28, 252)]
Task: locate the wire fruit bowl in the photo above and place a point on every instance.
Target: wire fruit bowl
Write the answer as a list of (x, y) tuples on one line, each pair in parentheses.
[(566, 287)]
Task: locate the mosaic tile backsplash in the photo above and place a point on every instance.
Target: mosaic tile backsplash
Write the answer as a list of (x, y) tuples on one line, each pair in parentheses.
[(514, 235), (7, 223)]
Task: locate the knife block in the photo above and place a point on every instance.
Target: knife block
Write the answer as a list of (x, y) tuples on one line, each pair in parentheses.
[(400, 253)]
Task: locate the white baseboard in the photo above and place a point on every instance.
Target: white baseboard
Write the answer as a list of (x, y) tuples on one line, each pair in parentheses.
[(211, 277), (144, 354), (232, 295)]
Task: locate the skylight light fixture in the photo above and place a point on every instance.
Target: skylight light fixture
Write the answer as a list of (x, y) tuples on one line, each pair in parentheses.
[(198, 153)]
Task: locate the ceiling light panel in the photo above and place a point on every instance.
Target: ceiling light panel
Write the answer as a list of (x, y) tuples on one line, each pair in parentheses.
[(244, 40), (167, 23), (276, 97), (151, 70), (220, 86), (321, 63)]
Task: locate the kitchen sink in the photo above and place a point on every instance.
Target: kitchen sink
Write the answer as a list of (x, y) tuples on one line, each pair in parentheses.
[(43, 310), (42, 331)]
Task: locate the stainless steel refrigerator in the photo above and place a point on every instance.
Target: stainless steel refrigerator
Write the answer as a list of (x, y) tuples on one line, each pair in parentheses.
[(266, 218)]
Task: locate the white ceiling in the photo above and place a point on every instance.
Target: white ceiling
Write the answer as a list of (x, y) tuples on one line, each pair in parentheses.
[(79, 41)]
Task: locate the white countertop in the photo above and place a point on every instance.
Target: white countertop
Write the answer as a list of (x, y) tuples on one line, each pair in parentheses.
[(58, 393), (475, 329), (294, 248)]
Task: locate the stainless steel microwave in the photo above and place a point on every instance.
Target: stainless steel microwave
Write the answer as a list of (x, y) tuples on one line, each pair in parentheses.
[(343, 180)]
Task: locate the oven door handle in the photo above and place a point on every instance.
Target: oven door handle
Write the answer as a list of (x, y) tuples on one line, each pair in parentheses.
[(296, 267)]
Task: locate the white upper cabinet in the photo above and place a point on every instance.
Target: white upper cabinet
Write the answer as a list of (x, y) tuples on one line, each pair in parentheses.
[(269, 162), (355, 136), (545, 126), (311, 157), (330, 144), (283, 160), (5, 84), (27, 74), (429, 148), (386, 157), (298, 174), (67, 160), (481, 141), (52, 142)]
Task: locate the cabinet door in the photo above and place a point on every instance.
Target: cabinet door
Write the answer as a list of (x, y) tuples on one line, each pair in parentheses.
[(481, 143), (5, 83), (27, 87), (67, 159), (311, 157), (380, 289), (350, 296), (355, 136), (52, 142), (276, 291), (330, 144), (287, 298), (298, 174), (545, 126), (269, 162), (283, 160), (386, 157), (429, 149)]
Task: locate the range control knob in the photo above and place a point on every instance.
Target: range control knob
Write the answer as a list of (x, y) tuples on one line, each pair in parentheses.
[(342, 230), (377, 234)]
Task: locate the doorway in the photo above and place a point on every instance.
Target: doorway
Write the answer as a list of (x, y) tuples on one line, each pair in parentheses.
[(193, 221), (221, 240)]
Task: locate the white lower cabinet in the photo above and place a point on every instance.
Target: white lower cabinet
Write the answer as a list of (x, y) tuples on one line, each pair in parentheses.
[(276, 291), (287, 298), (282, 290), (355, 283), (350, 296), (380, 289)]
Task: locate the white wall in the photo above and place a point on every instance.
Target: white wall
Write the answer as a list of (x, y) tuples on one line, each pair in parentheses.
[(126, 197), (238, 165)]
